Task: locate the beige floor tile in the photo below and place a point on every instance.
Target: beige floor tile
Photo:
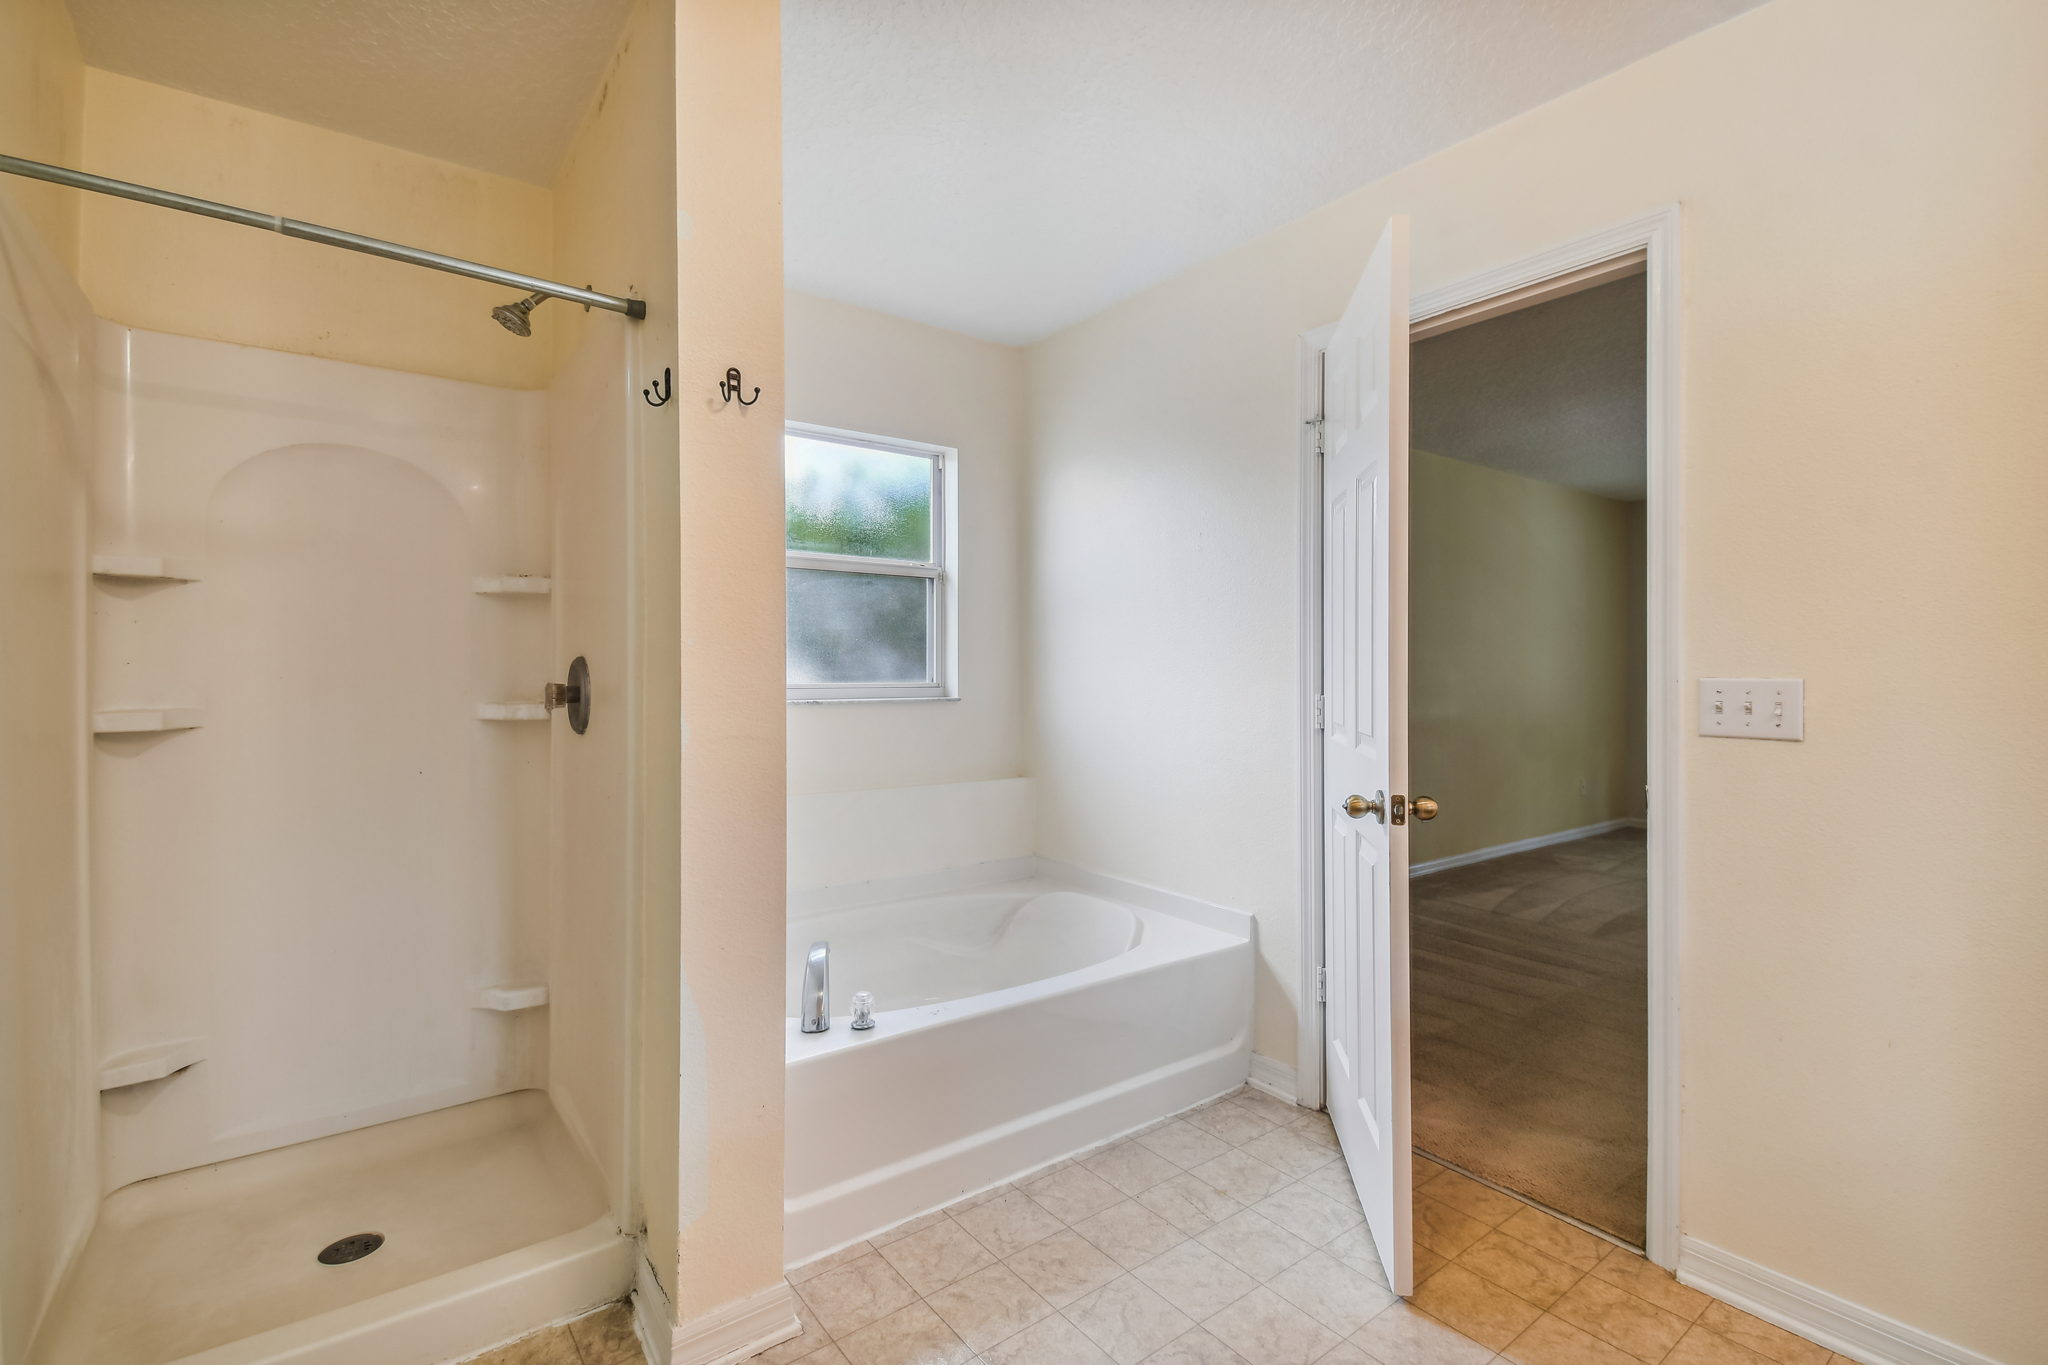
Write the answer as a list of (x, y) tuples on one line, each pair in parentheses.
[(989, 1306), (1427, 1263), (1052, 1341), (1230, 1121), (1064, 1267), (1427, 1170), (1129, 1233), (1331, 1292), (1265, 1328), (1700, 1347), (554, 1346), (1355, 1249), (1315, 1126), (1443, 1229), (1128, 1320), (828, 1354), (1264, 1105), (831, 1260), (1519, 1268), (1618, 1317), (1403, 1336), (1313, 1217), (1553, 1341), (1473, 1199), (1195, 1279), (1197, 1347), (850, 1297), (1286, 1150), (1345, 1353), (1131, 1167), (976, 1200), (1255, 1244), (1242, 1177), (812, 1338), (1334, 1182), (1073, 1194), (1773, 1343), (931, 1259), (1479, 1308), (1185, 1145), (909, 1336), (1009, 1223), (1653, 1282), (1555, 1237), (1189, 1203), (904, 1229), (606, 1337)]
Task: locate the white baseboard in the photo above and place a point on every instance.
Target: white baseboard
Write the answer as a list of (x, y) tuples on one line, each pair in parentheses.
[(738, 1331), (653, 1316), (1275, 1078), (1481, 855), (1851, 1329)]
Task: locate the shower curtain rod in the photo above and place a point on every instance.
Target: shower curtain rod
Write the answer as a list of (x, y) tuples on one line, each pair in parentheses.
[(313, 232)]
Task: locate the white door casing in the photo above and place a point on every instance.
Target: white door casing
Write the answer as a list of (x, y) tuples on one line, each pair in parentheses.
[(1365, 743)]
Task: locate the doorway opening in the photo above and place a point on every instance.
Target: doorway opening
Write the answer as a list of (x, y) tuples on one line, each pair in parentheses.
[(1528, 899)]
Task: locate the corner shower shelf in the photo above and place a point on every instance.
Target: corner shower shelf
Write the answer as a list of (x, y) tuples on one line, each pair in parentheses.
[(151, 1063), (146, 568), (510, 999), (514, 585), (511, 710), (142, 720)]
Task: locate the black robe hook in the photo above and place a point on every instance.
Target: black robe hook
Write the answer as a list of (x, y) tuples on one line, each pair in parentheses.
[(729, 389)]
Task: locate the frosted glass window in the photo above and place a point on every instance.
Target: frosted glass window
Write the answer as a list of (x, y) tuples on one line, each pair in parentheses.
[(854, 500), (866, 540), (858, 628)]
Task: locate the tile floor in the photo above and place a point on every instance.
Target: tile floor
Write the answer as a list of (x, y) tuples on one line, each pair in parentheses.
[(1230, 1235), (601, 1338)]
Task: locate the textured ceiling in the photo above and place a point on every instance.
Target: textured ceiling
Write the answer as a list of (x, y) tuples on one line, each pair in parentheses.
[(1008, 167), (1554, 392), (500, 85)]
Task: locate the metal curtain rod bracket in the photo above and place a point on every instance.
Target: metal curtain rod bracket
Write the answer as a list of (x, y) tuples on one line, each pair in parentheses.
[(313, 232)]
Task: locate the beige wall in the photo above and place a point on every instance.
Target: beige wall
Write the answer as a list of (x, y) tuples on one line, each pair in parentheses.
[(172, 272), (866, 371), (1520, 675), (42, 97), (728, 489), (1864, 183)]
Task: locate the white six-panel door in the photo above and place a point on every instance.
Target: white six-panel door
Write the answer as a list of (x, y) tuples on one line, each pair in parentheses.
[(1365, 672)]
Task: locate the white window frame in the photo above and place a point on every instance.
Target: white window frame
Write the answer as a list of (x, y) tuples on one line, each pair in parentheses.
[(938, 569)]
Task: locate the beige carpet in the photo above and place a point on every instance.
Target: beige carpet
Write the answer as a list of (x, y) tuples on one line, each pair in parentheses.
[(1530, 1055)]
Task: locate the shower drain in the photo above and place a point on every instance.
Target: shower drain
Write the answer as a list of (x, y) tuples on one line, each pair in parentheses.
[(351, 1248)]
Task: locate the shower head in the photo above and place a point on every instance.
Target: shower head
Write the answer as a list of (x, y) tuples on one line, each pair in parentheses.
[(516, 318)]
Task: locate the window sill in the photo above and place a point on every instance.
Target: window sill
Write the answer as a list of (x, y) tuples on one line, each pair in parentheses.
[(865, 701)]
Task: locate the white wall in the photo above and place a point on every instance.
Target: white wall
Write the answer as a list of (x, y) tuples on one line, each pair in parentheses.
[(1863, 185), (865, 371)]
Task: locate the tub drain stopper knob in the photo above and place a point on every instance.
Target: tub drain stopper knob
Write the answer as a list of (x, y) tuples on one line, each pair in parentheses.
[(863, 1009)]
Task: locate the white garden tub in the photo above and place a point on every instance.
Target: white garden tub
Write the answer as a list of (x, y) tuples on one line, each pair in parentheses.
[(1015, 1023)]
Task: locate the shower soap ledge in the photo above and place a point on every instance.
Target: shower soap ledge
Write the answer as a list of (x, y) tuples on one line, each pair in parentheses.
[(151, 1063), (146, 720), (146, 568), (506, 999), (514, 584), (511, 710)]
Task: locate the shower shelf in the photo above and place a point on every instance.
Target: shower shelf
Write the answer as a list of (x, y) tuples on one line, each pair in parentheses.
[(143, 720), (511, 710), (151, 1063), (514, 585), (146, 568), (525, 995)]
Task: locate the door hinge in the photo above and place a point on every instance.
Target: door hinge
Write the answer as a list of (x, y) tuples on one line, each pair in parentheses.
[(1322, 985), (1319, 711)]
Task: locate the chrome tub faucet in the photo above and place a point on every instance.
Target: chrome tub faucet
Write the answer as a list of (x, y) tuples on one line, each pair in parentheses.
[(815, 1003)]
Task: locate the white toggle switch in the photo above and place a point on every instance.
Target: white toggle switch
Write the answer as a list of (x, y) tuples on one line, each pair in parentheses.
[(1753, 708)]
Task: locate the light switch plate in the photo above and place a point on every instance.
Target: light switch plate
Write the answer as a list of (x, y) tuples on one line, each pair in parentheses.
[(1753, 708)]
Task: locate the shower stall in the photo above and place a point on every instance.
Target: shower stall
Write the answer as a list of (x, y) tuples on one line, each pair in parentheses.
[(332, 1049)]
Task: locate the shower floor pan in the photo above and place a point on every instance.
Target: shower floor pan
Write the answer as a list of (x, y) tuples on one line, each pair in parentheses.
[(493, 1223)]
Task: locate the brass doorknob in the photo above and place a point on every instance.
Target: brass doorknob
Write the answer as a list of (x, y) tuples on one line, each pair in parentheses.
[(1358, 807), (1423, 808)]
